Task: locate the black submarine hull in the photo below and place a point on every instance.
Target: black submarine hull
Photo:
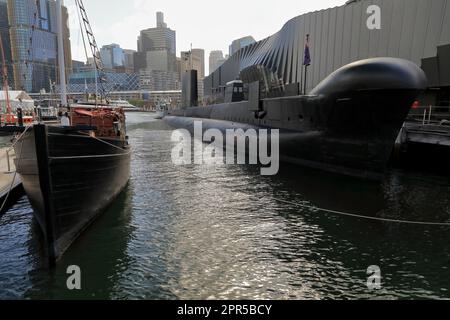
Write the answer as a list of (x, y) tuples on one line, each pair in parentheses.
[(348, 124)]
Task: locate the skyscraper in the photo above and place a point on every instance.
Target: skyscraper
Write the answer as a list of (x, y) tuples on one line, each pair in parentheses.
[(194, 60), (129, 60), (4, 33), (160, 20), (216, 59), (156, 56), (34, 52), (238, 44), (159, 38), (112, 56)]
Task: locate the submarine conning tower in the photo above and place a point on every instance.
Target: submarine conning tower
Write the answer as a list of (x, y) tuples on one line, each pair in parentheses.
[(373, 74)]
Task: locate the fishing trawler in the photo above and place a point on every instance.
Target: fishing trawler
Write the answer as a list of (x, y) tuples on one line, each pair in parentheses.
[(72, 172)]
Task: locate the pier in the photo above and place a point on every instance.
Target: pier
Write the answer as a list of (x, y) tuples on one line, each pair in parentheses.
[(11, 188), (425, 138)]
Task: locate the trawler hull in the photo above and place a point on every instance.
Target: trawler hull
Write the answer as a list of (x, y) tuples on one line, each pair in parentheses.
[(70, 178)]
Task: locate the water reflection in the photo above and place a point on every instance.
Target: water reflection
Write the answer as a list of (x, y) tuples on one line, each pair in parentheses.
[(202, 232)]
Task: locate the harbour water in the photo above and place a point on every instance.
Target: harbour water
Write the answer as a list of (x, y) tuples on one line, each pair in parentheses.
[(205, 232)]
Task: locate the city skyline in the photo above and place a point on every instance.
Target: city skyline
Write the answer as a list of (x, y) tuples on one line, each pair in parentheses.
[(256, 18)]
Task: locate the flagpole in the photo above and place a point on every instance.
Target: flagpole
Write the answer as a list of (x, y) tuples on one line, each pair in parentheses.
[(307, 62), (306, 72), (301, 81)]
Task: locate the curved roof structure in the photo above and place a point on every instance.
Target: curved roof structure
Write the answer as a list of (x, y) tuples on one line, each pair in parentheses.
[(416, 30)]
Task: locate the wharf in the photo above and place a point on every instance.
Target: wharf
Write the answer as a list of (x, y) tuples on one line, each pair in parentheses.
[(424, 140), (11, 188)]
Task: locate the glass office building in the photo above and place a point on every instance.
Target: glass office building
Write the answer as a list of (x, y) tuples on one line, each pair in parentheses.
[(4, 33), (33, 42)]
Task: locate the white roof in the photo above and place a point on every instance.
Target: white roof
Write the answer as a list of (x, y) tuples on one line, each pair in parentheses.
[(15, 95)]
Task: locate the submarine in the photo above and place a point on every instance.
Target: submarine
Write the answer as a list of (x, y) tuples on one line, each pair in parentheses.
[(347, 124)]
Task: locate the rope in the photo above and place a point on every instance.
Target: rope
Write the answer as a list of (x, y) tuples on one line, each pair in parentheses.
[(102, 141), (364, 216), (341, 213)]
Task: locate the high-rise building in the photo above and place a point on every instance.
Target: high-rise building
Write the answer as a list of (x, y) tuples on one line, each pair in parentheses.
[(159, 38), (160, 20), (156, 59), (4, 34), (216, 59), (33, 40), (194, 60), (129, 59), (238, 44), (78, 66), (112, 56)]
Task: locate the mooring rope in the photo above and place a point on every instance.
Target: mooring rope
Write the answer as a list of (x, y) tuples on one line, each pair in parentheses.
[(102, 141), (341, 213)]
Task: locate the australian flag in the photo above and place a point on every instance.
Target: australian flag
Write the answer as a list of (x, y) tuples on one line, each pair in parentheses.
[(307, 59)]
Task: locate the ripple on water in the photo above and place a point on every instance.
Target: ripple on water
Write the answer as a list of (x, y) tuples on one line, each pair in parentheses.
[(203, 232)]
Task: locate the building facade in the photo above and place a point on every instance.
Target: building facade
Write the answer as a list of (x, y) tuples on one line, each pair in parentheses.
[(194, 60), (112, 56), (216, 59), (238, 44), (33, 40), (85, 81), (157, 80), (156, 61), (159, 38), (129, 59), (6, 42), (415, 30)]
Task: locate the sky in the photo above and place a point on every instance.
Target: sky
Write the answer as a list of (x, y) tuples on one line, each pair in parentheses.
[(207, 24)]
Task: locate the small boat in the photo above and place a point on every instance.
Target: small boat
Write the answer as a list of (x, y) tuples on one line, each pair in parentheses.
[(161, 110)]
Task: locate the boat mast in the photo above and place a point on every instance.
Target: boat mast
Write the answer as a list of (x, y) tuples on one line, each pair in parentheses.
[(61, 57), (5, 77), (98, 64)]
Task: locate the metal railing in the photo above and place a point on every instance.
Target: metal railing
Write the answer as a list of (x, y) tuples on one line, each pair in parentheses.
[(431, 115)]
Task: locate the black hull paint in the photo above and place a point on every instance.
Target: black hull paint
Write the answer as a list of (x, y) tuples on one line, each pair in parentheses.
[(348, 124), (354, 136), (70, 178)]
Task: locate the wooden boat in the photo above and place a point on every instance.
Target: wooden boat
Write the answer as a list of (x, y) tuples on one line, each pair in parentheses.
[(72, 174)]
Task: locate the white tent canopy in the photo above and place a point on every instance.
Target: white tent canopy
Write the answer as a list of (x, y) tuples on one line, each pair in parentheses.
[(17, 99)]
